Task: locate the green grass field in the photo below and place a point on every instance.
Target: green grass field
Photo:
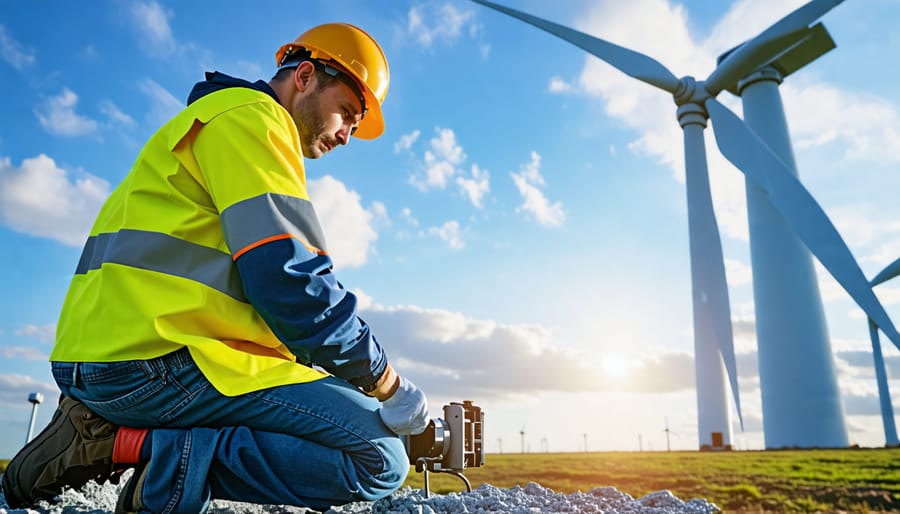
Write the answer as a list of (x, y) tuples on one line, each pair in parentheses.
[(851, 480)]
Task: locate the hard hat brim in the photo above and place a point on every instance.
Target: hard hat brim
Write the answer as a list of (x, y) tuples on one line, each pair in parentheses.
[(372, 124)]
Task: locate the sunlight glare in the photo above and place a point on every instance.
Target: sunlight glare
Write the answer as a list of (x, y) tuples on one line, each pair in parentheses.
[(614, 365)]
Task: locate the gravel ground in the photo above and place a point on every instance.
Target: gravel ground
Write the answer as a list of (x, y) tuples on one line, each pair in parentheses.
[(531, 499)]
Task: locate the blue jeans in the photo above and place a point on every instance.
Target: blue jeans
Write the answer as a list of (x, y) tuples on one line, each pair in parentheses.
[(313, 445)]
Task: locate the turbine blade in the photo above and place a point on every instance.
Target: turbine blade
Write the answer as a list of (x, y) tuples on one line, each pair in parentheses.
[(634, 64), (884, 392), (888, 273), (740, 145), (712, 310), (768, 44)]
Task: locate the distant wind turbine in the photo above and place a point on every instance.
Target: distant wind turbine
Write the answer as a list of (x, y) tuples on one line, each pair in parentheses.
[(668, 444)]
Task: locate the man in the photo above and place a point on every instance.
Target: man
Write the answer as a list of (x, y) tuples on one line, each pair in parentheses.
[(204, 307)]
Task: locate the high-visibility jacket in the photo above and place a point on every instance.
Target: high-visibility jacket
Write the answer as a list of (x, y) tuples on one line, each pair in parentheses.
[(211, 242)]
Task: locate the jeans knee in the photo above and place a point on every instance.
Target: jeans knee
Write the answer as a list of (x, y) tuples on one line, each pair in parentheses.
[(396, 461), (393, 473)]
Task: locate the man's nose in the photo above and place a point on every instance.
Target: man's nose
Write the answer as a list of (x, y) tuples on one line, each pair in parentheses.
[(343, 135)]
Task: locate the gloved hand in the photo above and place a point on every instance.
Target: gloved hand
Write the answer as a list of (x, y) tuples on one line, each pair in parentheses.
[(406, 411)]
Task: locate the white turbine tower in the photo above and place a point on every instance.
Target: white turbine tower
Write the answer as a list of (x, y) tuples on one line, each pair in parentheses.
[(782, 204), (791, 331), (34, 399)]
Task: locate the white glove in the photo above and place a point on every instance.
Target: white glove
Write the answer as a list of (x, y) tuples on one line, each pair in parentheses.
[(406, 412)]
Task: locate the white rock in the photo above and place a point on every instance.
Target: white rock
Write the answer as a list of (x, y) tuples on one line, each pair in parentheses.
[(531, 499)]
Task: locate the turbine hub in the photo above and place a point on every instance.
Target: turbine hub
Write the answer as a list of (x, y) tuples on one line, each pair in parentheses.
[(690, 90), (689, 97)]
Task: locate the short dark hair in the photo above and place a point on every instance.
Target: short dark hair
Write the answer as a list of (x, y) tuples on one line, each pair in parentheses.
[(323, 80)]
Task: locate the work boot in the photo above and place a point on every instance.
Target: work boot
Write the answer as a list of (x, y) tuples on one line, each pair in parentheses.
[(77, 446), (130, 496)]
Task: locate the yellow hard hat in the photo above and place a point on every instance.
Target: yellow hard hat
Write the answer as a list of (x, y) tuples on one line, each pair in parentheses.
[(357, 53)]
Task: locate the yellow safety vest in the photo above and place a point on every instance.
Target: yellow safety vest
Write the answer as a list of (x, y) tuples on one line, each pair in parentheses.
[(157, 272)]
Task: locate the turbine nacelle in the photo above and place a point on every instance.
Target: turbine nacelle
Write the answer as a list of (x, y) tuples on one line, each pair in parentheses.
[(800, 48)]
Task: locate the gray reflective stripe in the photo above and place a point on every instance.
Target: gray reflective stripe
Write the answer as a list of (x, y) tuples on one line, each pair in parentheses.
[(163, 253), (255, 219)]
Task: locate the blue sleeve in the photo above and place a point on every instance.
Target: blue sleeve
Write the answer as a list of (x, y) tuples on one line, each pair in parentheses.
[(296, 293)]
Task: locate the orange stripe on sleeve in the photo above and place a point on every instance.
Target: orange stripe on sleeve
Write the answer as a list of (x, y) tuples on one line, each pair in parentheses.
[(277, 237)]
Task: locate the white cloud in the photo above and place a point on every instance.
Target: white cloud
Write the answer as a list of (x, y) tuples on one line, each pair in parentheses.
[(859, 227), (885, 254), (871, 236), (408, 216), (43, 333), (475, 187), (154, 33), (41, 199), (888, 295), (441, 161), (531, 171), (437, 172), (363, 300), (446, 148), (528, 181), (558, 85), (406, 141), (58, 116), (739, 273), (114, 114), (866, 126), (380, 217), (347, 225), (829, 288), (744, 329), (13, 52), (747, 18), (164, 104), (24, 353), (15, 388), (431, 23), (450, 233), (434, 347)]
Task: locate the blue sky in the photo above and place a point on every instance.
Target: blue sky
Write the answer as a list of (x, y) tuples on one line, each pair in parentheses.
[(518, 235)]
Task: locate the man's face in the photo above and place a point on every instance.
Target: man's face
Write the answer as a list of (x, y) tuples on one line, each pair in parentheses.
[(325, 118)]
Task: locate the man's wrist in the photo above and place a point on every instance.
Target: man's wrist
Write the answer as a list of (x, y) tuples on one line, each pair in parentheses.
[(385, 386)]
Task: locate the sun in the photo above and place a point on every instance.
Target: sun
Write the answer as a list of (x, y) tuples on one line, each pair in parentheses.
[(614, 365)]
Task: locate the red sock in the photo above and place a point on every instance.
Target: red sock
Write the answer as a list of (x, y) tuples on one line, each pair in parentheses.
[(129, 441)]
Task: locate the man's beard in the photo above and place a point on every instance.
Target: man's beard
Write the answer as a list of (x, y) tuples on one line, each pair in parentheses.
[(311, 126)]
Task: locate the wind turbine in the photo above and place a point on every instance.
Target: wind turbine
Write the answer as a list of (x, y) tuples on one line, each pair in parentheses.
[(668, 444), (777, 182), (884, 393)]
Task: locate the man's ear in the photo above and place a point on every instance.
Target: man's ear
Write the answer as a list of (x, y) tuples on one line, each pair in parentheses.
[(304, 76)]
